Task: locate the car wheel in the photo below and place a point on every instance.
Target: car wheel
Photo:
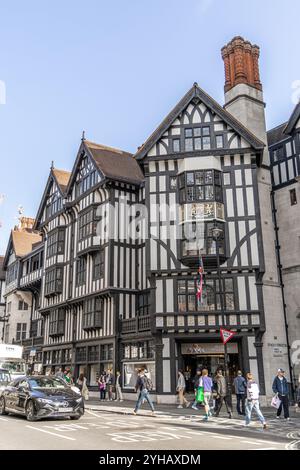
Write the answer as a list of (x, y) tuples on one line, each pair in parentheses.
[(2, 406), (30, 413), (75, 417)]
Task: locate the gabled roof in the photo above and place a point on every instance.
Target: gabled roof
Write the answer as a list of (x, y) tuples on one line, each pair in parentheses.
[(197, 92), (295, 116), (61, 177), (276, 134), (22, 241), (112, 163), (115, 164)]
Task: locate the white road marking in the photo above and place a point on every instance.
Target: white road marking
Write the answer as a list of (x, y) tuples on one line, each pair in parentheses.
[(3, 419), (52, 433)]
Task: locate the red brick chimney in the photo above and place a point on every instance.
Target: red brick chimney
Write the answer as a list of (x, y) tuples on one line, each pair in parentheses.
[(241, 63)]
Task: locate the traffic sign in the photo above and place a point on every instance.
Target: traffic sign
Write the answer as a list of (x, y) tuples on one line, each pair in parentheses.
[(226, 335)]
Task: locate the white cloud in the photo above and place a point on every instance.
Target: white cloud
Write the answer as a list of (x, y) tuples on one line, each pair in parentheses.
[(2, 197)]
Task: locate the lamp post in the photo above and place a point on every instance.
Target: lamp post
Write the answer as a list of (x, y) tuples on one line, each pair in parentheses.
[(217, 234)]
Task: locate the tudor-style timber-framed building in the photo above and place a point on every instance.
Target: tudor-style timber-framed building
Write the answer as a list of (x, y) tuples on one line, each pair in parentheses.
[(122, 236)]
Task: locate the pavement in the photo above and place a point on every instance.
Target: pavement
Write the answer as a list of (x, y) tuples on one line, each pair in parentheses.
[(112, 426)]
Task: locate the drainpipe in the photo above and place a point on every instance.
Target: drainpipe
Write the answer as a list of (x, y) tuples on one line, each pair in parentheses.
[(279, 266)]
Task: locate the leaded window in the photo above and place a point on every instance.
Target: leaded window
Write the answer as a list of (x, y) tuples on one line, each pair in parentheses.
[(197, 138), (87, 223), (201, 185), (54, 204), (92, 313), (81, 271), (56, 242), (98, 265), (54, 281), (57, 322), (210, 300)]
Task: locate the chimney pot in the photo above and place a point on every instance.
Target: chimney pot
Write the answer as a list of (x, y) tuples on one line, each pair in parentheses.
[(241, 63)]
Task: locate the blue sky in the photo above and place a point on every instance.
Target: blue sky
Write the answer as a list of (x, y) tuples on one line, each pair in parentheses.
[(115, 69)]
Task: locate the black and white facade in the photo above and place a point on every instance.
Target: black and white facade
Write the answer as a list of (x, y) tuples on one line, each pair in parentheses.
[(123, 236), (284, 147)]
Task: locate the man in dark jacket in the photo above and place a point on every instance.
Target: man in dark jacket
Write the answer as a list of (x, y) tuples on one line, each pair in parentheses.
[(222, 394), (240, 386), (280, 386)]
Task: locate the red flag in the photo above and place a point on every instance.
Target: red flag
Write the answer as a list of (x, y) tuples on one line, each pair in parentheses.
[(200, 282), (226, 335)]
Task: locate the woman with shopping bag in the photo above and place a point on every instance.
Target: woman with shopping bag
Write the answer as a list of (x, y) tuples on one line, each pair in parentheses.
[(276, 402)]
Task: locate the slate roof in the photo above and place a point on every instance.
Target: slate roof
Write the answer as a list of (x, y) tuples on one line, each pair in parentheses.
[(276, 134), (295, 116), (114, 163)]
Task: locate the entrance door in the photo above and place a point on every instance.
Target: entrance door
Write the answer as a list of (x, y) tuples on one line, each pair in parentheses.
[(212, 363)]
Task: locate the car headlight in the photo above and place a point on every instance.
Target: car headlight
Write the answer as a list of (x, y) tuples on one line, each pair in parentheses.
[(76, 390), (78, 400), (45, 401)]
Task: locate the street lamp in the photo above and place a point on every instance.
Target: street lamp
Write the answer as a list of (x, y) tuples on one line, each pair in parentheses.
[(217, 235)]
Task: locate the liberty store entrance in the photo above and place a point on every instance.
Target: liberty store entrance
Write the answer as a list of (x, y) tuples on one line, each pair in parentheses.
[(208, 356)]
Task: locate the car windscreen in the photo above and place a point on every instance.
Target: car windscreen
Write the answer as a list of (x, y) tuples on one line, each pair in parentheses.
[(46, 382)]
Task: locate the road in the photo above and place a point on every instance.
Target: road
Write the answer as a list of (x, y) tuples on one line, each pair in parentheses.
[(101, 430)]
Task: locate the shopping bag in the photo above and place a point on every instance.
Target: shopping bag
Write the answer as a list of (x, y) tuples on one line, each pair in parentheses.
[(276, 402), (200, 395)]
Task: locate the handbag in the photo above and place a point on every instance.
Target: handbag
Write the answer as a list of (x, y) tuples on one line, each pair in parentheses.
[(276, 402), (200, 394)]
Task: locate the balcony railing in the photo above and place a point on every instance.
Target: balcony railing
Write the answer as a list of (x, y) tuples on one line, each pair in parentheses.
[(134, 325)]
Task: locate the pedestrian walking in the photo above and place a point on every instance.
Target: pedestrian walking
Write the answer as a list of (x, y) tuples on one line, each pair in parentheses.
[(252, 401), (102, 387), (181, 390), (109, 384), (119, 394), (222, 394), (207, 384), (196, 385), (81, 383), (143, 387), (240, 386), (281, 388)]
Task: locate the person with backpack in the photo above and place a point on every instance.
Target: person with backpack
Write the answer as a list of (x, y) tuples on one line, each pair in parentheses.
[(252, 401), (240, 386), (281, 389), (143, 387), (181, 389)]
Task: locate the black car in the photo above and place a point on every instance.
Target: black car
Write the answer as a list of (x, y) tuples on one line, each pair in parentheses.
[(39, 397)]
